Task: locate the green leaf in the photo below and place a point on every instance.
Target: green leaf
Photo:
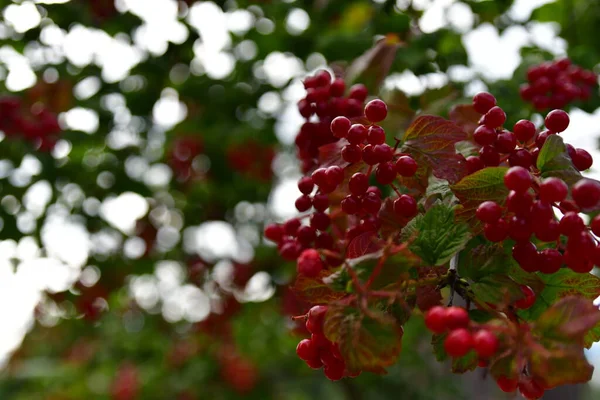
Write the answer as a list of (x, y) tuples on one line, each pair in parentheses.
[(367, 342), (437, 343), (466, 363), (560, 365), (554, 160), (432, 140), (315, 290), (568, 320), (562, 284), (439, 235)]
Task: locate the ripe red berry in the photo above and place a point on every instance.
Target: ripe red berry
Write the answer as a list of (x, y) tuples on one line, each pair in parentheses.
[(376, 135), (337, 88), (553, 190), (485, 343), (351, 153), (525, 253), (350, 205), (489, 212), (319, 177), (358, 183), (435, 319), (369, 156), (314, 363), (483, 102), (376, 110), (274, 232), (458, 342), (576, 263), (495, 117), (385, 173), (357, 134), (306, 235), (334, 175), (505, 142), (340, 127), (571, 224), (320, 201), (474, 164), (383, 152), (306, 350), (358, 92), (320, 221), (507, 385), (306, 185), (530, 389), (541, 214), (528, 298), (405, 206), (309, 263), (520, 158), (595, 225), (291, 226), (316, 316), (457, 317), (519, 202), (582, 159), (518, 179), (524, 130), (550, 261), (490, 156), (496, 232), (557, 121), (484, 135), (586, 193), (335, 371), (548, 233), (303, 203), (406, 166), (371, 203), (290, 250)]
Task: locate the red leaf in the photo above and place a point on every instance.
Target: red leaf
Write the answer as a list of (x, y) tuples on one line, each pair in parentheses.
[(465, 116), (315, 290), (365, 243), (568, 320), (433, 139)]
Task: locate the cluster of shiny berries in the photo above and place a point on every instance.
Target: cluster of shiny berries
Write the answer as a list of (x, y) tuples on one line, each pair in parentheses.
[(529, 387), (360, 144), (318, 352), (529, 211), (35, 124), (461, 336), (556, 84), (520, 147), (325, 99)]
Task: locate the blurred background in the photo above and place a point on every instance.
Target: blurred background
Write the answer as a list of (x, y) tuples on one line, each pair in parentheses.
[(154, 139)]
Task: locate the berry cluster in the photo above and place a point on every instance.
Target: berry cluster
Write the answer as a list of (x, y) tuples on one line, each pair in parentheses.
[(252, 159), (363, 146), (319, 352), (37, 124), (463, 335), (325, 99), (556, 84)]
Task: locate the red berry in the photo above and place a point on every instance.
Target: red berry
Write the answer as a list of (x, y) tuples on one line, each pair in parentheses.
[(309, 263), (505, 142), (525, 253), (306, 350), (358, 92), (371, 203), (291, 226), (337, 88), (489, 212), (334, 175), (320, 221), (586, 193), (435, 319), (571, 224), (369, 156), (335, 371), (553, 190), (548, 233), (484, 135), (358, 184), (303, 203), (316, 316), (541, 138), (306, 185), (274, 232), (376, 110), (320, 202), (405, 206), (507, 385), (383, 152), (490, 156), (495, 117), (557, 121), (357, 134), (306, 235), (541, 214), (290, 250), (496, 232), (458, 342), (406, 166), (385, 173), (530, 389), (350, 205), (485, 343), (483, 102), (474, 164), (595, 225), (518, 179), (340, 127), (550, 261), (520, 158), (376, 135), (351, 153), (528, 298), (582, 159), (524, 130), (519, 202), (375, 190), (457, 317), (319, 177), (578, 264), (314, 363)]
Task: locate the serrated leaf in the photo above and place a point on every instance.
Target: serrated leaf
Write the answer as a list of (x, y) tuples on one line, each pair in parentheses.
[(363, 244), (561, 284), (368, 342), (432, 139), (554, 160), (568, 320), (560, 365), (495, 289), (465, 116), (373, 66), (439, 236), (315, 290), (481, 258)]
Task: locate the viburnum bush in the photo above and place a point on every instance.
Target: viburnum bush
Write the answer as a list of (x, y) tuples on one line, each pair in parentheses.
[(467, 210)]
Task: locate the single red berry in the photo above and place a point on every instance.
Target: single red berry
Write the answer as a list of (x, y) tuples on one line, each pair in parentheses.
[(483, 102), (358, 92), (291, 226), (474, 164), (571, 224), (309, 263), (520, 158), (303, 203), (519, 202), (457, 317), (506, 384), (435, 319), (316, 316), (518, 179), (528, 298), (320, 221), (323, 78), (595, 225), (340, 127), (383, 152), (351, 153), (324, 241), (490, 156), (576, 263), (406, 166), (505, 142), (337, 88), (557, 121), (314, 363), (371, 203), (350, 205), (484, 135), (553, 190), (524, 130), (550, 261), (375, 190), (376, 135), (357, 134), (376, 110), (319, 177), (485, 343), (369, 156), (274, 232), (405, 206), (496, 232), (548, 233), (335, 371), (306, 235), (458, 342), (541, 214), (306, 185), (305, 108), (525, 253), (586, 193), (530, 389), (320, 202), (358, 183), (541, 138), (334, 175), (582, 159), (489, 212), (306, 350), (495, 117), (385, 173), (581, 244)]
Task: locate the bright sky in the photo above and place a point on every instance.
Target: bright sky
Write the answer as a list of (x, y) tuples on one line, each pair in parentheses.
[(68, 244)]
